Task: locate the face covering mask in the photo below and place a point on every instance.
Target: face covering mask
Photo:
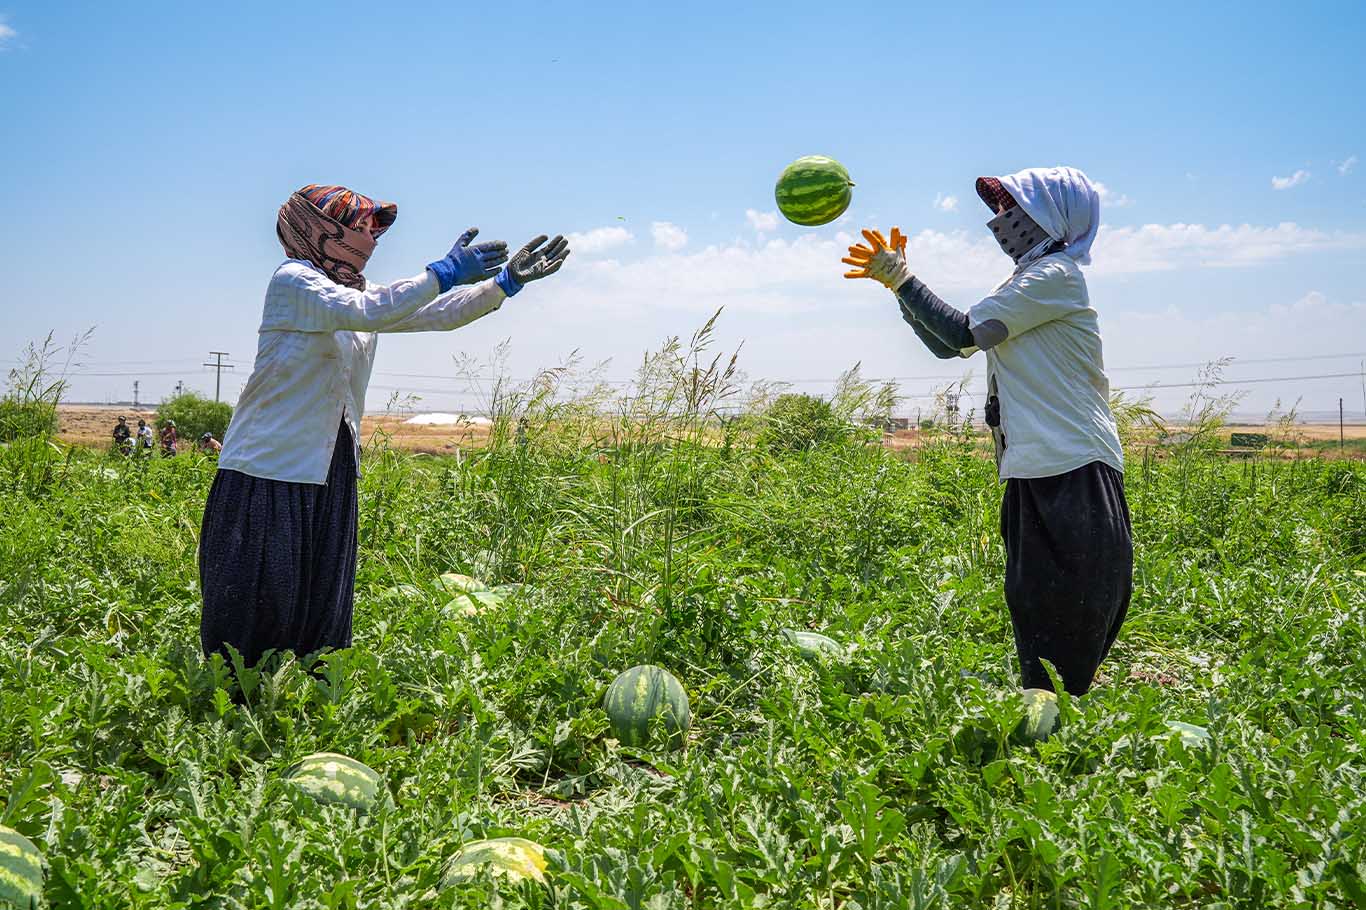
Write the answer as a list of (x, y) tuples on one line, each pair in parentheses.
[(1016, 232)]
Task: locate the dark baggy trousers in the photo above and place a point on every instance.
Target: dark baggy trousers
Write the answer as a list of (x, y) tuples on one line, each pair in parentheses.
[(277, 561), (1069, 571)]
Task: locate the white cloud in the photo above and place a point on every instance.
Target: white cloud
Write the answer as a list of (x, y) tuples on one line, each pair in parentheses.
[(1163, 247), (945, 203), (1345, 167), (1110, 199), (7, 34), (599, 240), (778, 275), (669, 236), (762, 222), (1294, 180)]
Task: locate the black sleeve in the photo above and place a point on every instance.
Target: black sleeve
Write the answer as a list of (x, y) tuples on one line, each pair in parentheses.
[(936, 347), (950, 326)]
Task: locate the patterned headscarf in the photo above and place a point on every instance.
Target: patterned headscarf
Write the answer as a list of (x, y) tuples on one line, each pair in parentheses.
[(993, 194), (317, 224)]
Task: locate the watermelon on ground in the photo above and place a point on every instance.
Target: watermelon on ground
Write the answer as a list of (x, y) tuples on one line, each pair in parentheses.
[(813, 645), (510, 857), (332, 778), (461, 584), (640, 695), (21, 871), (1190, 734), (1040, 717), (813, 190)]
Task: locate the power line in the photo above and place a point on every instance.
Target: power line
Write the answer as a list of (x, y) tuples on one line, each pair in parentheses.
[(1234, 382), (1235, 361), (218, 367)]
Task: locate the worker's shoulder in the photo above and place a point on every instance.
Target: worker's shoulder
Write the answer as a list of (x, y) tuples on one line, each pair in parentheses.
[(296, 273), (1056, 274)]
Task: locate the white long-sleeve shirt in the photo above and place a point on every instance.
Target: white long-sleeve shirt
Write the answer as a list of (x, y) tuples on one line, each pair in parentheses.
[(1049, 373), (314, 354)]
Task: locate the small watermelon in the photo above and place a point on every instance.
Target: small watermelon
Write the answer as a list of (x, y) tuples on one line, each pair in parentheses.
[(401, 592), (332, 778), (814, 646), (813, 190), (461, 584), (638, 696), (511, 857), (1190, 734), (1040, 715), (21, 871)]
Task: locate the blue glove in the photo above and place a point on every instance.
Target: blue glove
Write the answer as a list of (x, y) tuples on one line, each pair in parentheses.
[(532, 263), (466, 264)]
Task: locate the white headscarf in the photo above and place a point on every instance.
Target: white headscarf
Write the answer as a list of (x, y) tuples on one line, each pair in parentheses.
[(1063, 201)]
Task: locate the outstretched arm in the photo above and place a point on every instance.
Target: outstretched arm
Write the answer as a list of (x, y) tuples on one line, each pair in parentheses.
[(946, 323), (943, 329)]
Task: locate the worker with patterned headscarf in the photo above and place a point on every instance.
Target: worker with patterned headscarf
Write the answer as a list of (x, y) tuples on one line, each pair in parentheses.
[(277, 553), (1064, 518)]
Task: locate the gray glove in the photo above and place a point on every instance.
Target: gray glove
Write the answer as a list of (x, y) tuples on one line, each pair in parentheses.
[(532, 263)]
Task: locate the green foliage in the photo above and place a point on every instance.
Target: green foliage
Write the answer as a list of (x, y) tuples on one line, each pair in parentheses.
[(26, 419), (194, 415), (28, 408), (892, 777), (795, 422)]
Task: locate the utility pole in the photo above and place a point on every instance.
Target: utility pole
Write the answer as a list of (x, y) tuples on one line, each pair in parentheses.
[(180, 388), (219, 366), (135, 393)]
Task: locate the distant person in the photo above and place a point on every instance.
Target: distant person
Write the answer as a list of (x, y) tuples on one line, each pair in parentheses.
[(145, 443), (208, 445), (277, 555), (1068, 542), (169, 438), (123, 436)]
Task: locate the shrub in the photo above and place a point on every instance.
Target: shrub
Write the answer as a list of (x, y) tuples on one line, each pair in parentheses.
[(26, 419), (194, 415), (796, 422)]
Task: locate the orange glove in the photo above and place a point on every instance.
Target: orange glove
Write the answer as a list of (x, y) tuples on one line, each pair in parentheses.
[(882, 260)]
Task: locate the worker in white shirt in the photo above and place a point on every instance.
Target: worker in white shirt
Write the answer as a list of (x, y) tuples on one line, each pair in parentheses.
[(1064, 518), (277, 554)]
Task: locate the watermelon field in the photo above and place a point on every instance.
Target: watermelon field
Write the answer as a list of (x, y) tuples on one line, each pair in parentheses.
[(887, 772)]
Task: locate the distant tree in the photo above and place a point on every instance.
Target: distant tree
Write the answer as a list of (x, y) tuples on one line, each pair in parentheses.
[(194, 415)]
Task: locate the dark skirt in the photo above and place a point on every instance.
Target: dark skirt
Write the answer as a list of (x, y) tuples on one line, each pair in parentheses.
[(1069, 571), (277, 561)]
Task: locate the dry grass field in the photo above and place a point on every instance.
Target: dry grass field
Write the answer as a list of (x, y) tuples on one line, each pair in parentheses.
[(91, 425)]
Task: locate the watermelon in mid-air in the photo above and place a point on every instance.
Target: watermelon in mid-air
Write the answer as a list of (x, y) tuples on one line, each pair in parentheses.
[(332, 778), (813, 190), (21, 871), (640, 695)]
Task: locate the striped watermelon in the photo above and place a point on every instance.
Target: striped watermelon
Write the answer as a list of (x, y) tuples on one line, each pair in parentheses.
[(332, 778), (813, 190), (1189, 734), (1040, 716), (21, 871), (813, 645), (641, 694), (510, 857), (461, 584)]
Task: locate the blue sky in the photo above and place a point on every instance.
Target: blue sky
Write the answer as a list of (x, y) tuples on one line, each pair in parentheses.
[(149, 145)]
